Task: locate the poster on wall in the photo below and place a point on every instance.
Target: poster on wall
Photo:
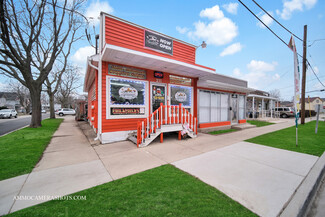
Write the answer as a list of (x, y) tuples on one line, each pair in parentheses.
[(158, 42), (127, 111)]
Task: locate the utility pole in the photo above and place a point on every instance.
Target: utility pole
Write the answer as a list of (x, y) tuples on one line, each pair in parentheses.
[(304, 68)]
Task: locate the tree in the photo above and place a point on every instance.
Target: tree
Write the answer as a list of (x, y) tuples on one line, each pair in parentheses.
[(22, 93), (67, 86), (34, 36), (275, 93)]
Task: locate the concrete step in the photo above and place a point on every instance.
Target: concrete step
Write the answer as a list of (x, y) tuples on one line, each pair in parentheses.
[(242, 126)]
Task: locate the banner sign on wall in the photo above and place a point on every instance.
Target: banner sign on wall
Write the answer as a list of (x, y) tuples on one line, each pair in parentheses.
[(158, 42), (125, 71)]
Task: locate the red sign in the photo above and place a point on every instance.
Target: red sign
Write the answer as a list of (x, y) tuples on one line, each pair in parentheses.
[(158, 74)]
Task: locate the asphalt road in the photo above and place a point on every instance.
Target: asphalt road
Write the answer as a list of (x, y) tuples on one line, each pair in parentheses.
[(8, 125)]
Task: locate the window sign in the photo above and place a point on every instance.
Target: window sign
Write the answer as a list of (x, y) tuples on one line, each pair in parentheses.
[(127, 111), (180, 94), (127, 92), (158, 96)]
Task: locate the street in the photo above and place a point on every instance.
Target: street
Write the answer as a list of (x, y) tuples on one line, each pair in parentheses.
[(8, 125)]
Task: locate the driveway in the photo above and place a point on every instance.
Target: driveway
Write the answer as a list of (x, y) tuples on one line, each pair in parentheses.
[(261, 178)]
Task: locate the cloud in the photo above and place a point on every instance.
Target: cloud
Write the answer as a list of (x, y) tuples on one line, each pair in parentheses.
[(213, 13), (237, 72), (3, 86), (231, 8), (79, 58), (290, 6), (266, 19), (220, 31), (232, 49), (182, 30), (259, 74), (276, 77), (261, 66), (94, 9)]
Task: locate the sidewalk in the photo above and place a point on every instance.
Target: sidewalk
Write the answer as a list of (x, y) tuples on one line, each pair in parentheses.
[(70, 164)]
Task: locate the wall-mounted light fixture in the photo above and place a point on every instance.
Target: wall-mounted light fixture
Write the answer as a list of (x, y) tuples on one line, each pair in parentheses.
[(203, 45)]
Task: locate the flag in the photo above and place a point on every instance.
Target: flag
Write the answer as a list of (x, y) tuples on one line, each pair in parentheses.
[(296, 98)]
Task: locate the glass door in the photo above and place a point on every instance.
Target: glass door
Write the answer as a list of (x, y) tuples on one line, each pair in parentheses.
[(234, 105), (158, 95)]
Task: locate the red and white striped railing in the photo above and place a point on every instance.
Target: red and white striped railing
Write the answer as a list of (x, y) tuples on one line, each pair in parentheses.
[(165, 115)]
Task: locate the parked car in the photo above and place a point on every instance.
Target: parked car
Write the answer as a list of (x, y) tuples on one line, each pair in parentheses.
[(65, 111), (285, 112), (8, 113), (43, 111)]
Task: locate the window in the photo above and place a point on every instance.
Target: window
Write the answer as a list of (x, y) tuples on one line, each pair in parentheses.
[(181, 94), (126, 92), (241, 105), (213, 106), (126, 98)]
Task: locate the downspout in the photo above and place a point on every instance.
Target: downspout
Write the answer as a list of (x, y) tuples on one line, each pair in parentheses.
[(99, 122)]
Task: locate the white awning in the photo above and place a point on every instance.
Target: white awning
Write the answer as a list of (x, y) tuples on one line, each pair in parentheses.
[(263, 97), (223, 86)]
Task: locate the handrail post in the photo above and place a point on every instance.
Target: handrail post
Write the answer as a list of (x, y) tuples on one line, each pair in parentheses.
[(180, 113)]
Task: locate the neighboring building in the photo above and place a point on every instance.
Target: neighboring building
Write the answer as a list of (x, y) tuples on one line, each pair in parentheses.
[(261, 104), (286, 104), (139, 69), (9, 100), (312, 102)]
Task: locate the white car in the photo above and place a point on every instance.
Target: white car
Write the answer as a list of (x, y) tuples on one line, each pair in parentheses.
[(65, 111), (8, 113)]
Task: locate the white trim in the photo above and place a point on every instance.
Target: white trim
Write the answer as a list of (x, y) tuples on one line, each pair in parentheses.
[(126, 50), (223, 86), (262, 97), (108, 106), (116, 136)]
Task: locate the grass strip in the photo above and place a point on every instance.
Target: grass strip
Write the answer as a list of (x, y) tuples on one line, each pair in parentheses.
[(21, 150), (259, 123), (308, 141), (163, 191), (222, 131)]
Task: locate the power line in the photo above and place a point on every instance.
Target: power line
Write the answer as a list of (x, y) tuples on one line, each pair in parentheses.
[(266, 26), (322, 39), (315, 73), (276, 20)]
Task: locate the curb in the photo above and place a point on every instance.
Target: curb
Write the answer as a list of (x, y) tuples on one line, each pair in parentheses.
[(305, 193)]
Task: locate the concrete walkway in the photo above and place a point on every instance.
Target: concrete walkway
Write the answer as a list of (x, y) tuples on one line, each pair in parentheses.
[(70, 164), (261, 178)]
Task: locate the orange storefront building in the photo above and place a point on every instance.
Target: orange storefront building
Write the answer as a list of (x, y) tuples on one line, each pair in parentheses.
[(144, 83)]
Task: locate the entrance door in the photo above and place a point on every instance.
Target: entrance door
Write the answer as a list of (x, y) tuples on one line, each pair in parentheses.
[(158, 95), (234, 113)]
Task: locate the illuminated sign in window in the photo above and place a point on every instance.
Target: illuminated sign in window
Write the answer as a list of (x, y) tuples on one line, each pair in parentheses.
[(180, 94)]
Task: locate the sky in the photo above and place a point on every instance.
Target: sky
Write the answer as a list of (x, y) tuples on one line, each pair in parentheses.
[(237, 44)]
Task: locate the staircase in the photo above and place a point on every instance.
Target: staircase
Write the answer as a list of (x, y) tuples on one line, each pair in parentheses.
[(166, 118)]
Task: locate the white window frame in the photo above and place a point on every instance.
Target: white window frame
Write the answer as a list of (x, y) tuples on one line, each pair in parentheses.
[(109, 106), (192, 95)]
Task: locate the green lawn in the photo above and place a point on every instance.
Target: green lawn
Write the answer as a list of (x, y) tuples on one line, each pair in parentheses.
[(309, 142), (21, 150), (259, 123), (163, 191), (222, 131)]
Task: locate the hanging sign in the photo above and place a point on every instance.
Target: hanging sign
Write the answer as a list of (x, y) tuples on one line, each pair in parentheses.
[(158, 42), (125, 71), (127, 111), (173, 79)]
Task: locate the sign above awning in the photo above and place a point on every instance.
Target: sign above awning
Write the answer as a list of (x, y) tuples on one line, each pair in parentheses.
[(158, 42)]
